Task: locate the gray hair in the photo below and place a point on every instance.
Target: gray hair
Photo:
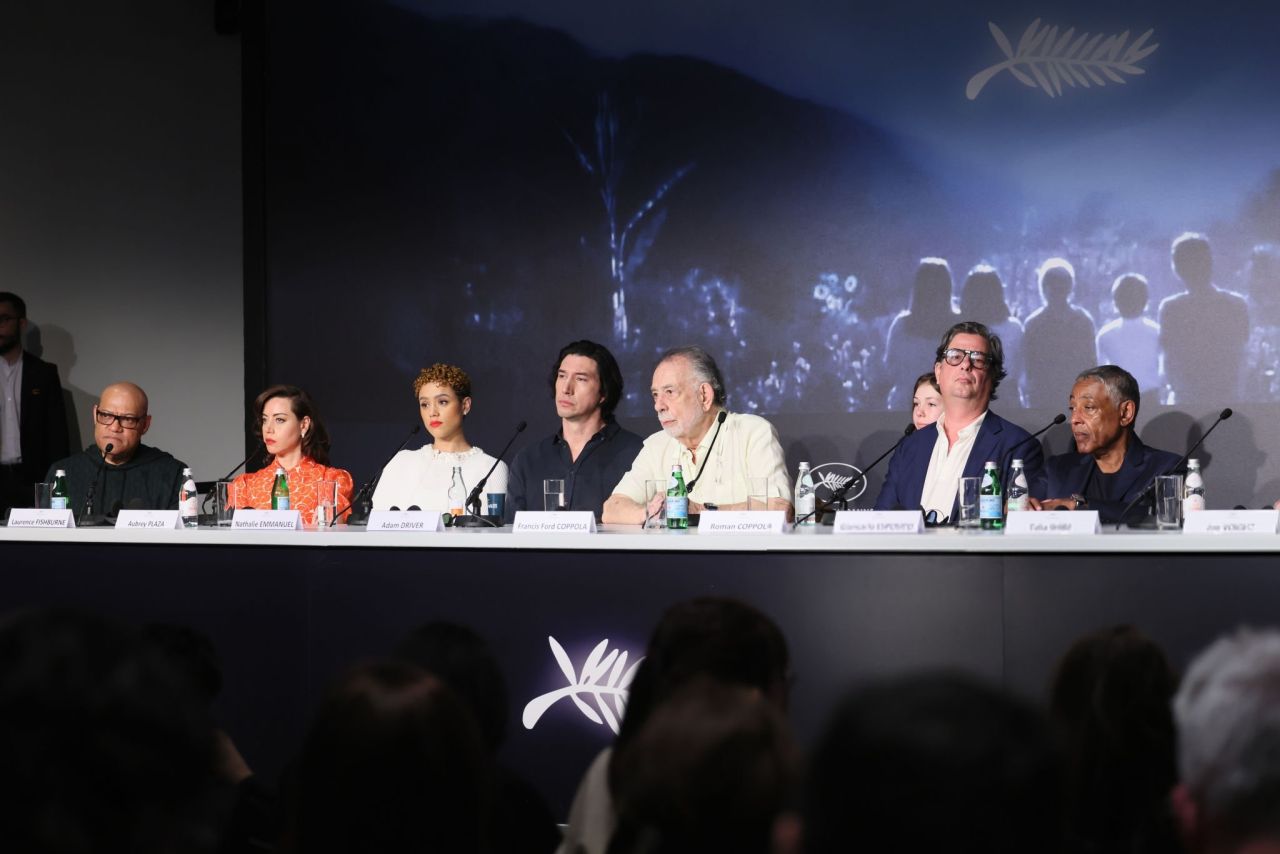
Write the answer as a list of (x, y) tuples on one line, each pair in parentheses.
[(703, 366), (1120, 384), (1228, 717)]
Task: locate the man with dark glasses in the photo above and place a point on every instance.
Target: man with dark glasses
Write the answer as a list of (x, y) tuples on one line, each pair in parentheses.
[(925, 471), (117, 469)]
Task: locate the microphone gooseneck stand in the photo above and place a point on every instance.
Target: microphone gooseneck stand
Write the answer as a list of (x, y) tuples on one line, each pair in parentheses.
[(839, 496), (89, 519), (1222, 416), (705, 457), (367, 489)]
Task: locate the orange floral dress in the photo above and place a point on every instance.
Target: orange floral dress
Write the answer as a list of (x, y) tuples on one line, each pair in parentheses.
[(254, 490)]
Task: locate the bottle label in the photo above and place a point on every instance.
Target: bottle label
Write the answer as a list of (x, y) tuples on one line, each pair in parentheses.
[(189, 505), (1192, 503), (677, 507), (1019, 503), (58, 502), (281, 503), (989, 507)]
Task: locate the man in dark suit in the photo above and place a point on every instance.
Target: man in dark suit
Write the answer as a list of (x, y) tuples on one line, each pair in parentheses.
[(924, 472), (33, 421), (1111, 466)]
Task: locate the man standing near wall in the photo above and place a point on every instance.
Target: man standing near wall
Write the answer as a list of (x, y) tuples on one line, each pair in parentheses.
[(33, 420)]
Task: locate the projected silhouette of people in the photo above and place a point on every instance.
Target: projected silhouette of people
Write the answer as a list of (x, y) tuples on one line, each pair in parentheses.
[(1062, 337), (1132, 339), (1263, 378), (1203, 331), (913, 335), (982, 300)]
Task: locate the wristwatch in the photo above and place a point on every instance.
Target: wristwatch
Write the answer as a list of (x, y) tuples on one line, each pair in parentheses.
[(1081, 502)]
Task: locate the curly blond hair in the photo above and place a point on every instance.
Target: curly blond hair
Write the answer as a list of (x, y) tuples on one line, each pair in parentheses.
[(448, 375)]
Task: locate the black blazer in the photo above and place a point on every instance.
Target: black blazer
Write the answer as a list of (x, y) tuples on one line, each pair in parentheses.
[(44, 417), (1066, 474)]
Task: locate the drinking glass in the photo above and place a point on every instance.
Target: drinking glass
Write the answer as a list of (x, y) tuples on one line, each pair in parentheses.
[(43, 493), (757, 493), (225, 507), (552, 494), (326, 503), (1169, 501), (651, 489), (968, 501)]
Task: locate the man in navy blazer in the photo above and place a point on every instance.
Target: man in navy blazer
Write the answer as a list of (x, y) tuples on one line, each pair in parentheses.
[(1111, 466), (924, 471)]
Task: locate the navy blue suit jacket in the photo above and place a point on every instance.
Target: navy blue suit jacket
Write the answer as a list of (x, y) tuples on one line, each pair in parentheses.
[(1066, 474), (997, 440)]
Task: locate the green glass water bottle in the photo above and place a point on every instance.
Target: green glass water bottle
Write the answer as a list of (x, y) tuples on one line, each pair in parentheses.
[(280, 490), (991, 499), (677, 500)]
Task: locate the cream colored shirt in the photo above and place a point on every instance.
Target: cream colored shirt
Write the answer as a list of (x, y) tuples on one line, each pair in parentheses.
[(748, 447), (946, 465)]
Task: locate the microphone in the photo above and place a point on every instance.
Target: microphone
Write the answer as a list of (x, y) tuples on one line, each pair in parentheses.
[(88, 519), (367, 489), (257, 448), (473, 499), (719, 422), (1222, 416), (839, 494), (1008, 455)]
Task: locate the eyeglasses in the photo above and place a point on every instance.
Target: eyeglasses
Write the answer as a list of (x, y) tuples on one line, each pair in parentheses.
[(128, 422), (979, 360), (5, 318)]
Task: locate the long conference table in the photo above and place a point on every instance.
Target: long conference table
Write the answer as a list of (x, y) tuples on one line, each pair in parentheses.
[(288, 610)]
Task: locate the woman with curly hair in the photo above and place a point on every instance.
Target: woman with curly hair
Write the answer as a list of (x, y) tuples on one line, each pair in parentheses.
[(421, 478)]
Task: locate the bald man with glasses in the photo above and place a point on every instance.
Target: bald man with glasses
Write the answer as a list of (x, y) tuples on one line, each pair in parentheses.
[(925, 471), (122, 472)]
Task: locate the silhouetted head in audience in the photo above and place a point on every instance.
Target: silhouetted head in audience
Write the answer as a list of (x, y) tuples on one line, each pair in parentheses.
[(932, 763), (104, 746), (462, 660), (931, 307), (710, 771), (982, 296), (1228, 719), (1130, 294), (1110, 704), (707, 637), (1057, 279), (1193, 261), (393, 762)]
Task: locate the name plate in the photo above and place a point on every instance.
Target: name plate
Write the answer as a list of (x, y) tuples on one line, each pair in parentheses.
[(27, 517), (1230, 522), (150, 520), (742, 522), (1052, 522), (554, 522), (878, 522), (266, 520), (405, 520)]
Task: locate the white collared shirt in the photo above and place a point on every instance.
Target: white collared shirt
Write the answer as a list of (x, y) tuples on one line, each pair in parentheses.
[(10, 411), (947, 465)]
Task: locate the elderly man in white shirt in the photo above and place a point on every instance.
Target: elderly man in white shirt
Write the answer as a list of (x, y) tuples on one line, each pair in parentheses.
[(688, 397)]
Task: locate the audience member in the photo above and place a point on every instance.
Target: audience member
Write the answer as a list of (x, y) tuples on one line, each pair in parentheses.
[(689, 399), (982, 299), (1132, 339), (1227, 710), (722, 639), (120, 470), (393, 762), (460, 658), (1203, 331), (929, 763), (33, 419), (293, 434), (1110, 704), (590, 452), (1060, 337), (711, 770), (105, 745), (421, 478), (913, 334)]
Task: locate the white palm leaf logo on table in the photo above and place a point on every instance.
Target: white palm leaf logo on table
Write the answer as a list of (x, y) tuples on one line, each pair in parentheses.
[(604, 680), (1045, 59)]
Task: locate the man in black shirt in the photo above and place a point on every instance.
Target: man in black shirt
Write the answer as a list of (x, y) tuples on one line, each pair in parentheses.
[(1111, 465), (590, 452)]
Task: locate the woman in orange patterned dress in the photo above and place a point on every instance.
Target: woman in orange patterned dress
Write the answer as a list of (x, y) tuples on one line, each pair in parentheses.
[(293, 433)]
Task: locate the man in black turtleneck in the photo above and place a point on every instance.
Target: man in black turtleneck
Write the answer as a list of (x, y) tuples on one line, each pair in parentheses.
[(131, 475)]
